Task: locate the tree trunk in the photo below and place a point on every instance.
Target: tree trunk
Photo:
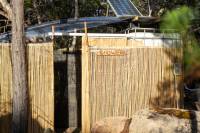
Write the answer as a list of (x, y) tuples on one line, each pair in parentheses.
[(76, 14), (19, 69), (35, 6)]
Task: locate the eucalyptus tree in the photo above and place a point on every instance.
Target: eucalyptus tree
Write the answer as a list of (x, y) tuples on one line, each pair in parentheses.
[(15, 12)]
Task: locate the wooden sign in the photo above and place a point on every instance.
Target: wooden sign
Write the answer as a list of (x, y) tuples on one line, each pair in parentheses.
[(117, 52)]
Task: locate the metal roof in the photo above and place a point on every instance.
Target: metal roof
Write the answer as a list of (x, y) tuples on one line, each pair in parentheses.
[(63, 26)]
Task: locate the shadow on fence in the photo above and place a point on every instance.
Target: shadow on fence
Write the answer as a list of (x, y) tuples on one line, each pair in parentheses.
[(176, 98), (33, 125), (67, 73)]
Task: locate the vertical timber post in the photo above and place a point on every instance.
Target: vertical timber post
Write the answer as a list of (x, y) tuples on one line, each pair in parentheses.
[(53, 33), (85, 84), (19, 70), (72, 78), (179, 78)]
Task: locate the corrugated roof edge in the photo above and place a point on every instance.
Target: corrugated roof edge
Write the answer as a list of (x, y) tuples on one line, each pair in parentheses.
[(71, 20), (109, 20)]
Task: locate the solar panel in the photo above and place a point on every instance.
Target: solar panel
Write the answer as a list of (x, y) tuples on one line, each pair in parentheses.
[(124, 8)]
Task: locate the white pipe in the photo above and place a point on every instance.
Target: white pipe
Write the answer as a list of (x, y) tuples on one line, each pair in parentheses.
[(131, 35)]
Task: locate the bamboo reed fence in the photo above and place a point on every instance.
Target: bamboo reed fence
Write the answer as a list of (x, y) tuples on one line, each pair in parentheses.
[(5, 89), (40, 83), (121, 76)]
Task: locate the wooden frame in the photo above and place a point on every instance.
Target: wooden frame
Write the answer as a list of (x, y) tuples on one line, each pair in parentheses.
[(85, 87)]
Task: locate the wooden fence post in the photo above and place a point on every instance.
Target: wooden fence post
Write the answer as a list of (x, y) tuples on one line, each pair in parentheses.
[(85, 84)]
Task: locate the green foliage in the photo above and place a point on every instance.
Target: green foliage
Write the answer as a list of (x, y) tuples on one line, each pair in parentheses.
[(191, 55), (180, 20), (27, 4), (159, 7)]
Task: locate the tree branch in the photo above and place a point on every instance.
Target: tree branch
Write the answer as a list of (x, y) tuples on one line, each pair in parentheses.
[(7, 8), (2, 13), (198, 28)]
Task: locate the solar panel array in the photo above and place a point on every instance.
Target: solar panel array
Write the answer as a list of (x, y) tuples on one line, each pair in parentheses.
[(124, 8)]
